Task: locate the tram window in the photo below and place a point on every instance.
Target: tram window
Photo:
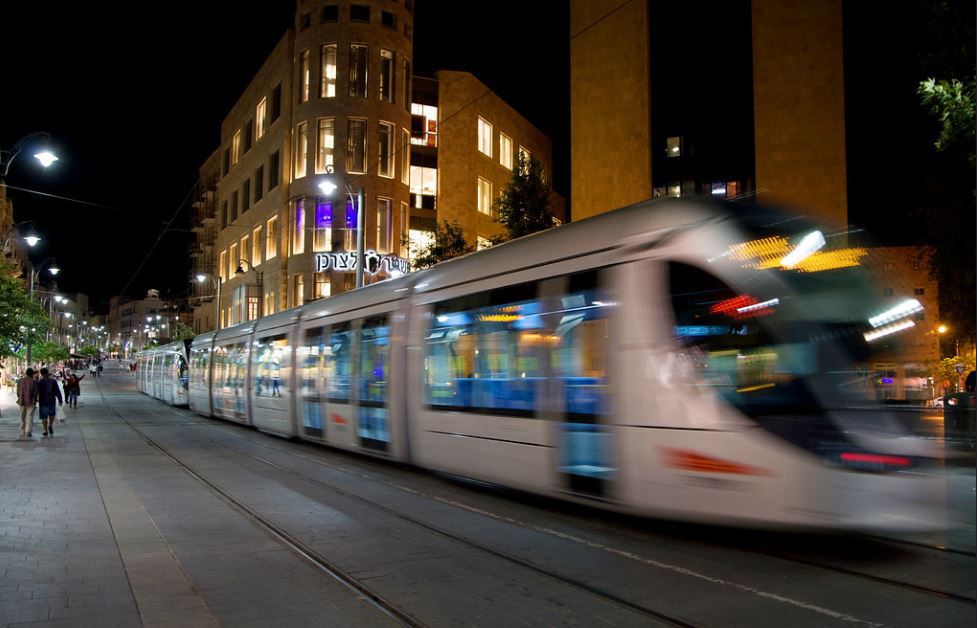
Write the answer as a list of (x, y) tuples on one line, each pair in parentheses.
[(311, 358), (338, 363), (374, 364), (271, 366), (578, 343), (198, 371), (483, 352)]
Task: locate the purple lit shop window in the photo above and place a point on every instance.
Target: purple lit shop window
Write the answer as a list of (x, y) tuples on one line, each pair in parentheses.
[(350, 215), (323, 215)]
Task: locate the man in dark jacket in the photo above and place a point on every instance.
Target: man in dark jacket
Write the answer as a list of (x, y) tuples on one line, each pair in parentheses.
[(47, 391)]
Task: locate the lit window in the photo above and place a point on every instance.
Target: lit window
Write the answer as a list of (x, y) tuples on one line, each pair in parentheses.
[(236, 147), (356, 146), (245, 246), (322, 229), (271, 238), (733, 189), (326, 145), (304, 77), (386, 75), (505, 151), (404, 223), (328, 87), (424, 125), (484, 137), (256, 246), (301, 149), (223, 264), (298, 290), (888, 266), (298, 233), (384, 228), (675, 189), (719, 188), (232, 261), (405, 156), (673, 146), (423, 180), (484, 196), (385, 152), (419, 243), (358, 60), (261, 118), (482, 243), (524, 158), (323, 287)]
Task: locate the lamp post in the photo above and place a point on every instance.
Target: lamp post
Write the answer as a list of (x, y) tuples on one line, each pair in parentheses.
[(34, 272), (240, 271), (328, 187), (45, 156), (31, 238), (216, 279)]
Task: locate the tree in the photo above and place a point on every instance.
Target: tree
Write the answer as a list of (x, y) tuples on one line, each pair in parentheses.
[(522, 207), (182, 331), (449, 241), (21, 320), (945, 370), (89, 350), (952, 102), (49, 352)]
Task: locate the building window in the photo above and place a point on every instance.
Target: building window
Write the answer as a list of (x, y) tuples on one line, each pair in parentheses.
[(385, 152), (404, 156), (298, 290), (358, 60), (298, 233), (921, 316), (356, 146), (407, 103), (327, 89), (384, 228), (276, 102), (404, 224), (224, 214), (330, 13), (484, 197), (325, 144), (236, 147), (245, 247), (301, 149), (733, 189), (424, 125), (304, 77), (223, 264), (505, 151), (261, 118), (888, 266), (232, 261), (246, 195), (274, 172), (386, 75), (256, 246), (271, 238), (719, 188), (227, 162), (484, 137), (673, 146), (323, 288), (248, 135), (259, 183), (359, 13), (305, 21), (524, 158), (919, 291), (388, 19), (423, 181), (234, 198), (322, 229)]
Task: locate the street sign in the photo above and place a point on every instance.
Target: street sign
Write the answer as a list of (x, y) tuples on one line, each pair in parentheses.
[(960, 369)]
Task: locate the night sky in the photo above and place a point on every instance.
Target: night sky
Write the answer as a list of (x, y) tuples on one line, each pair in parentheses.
[(134, 101)]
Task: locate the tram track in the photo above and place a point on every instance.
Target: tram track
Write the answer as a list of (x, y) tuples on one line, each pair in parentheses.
[(365, 592), (921, 589)]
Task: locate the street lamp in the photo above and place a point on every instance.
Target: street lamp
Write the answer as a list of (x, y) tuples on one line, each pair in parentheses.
[(216, 280), (35, 271), (328, 186), (31, 238), (44, 155)]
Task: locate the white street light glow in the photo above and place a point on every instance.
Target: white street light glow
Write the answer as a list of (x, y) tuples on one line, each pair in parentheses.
[(906, 308), (755, 306), (46, 158), (328, 187), (201, 277), (888, 329), (808, 245), (32, 240), (54, 270)]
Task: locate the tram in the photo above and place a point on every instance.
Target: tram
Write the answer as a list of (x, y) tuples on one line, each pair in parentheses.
[(163, 372), (675, 359)]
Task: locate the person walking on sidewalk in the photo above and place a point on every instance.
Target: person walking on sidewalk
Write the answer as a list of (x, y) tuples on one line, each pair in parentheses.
[(47, 391), (72, 389), (26, 399)]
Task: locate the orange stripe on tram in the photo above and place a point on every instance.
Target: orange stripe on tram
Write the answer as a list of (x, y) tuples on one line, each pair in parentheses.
[(687, 460)]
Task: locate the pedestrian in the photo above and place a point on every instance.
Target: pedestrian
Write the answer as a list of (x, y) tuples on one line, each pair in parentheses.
[(26, 399), (47, 392), (99, 370), (72, 390)]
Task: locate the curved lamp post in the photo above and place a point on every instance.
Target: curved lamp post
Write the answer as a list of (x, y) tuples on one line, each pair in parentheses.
[(43, 155), (216, 280), (35, 271), (328, 186), (31, 238)]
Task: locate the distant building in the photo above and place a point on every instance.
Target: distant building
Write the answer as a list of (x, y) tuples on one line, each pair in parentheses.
[(336, 99), (14, 248), (133, 323)]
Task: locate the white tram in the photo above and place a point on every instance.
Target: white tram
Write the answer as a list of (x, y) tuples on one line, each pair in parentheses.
[(163, 372), (674, 359)]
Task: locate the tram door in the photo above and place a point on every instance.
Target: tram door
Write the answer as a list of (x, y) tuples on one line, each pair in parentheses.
[(312, 363), (578, 341), (373, 415)]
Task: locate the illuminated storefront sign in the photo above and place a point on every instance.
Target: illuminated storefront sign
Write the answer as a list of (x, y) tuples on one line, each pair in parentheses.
[(373, 262)]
